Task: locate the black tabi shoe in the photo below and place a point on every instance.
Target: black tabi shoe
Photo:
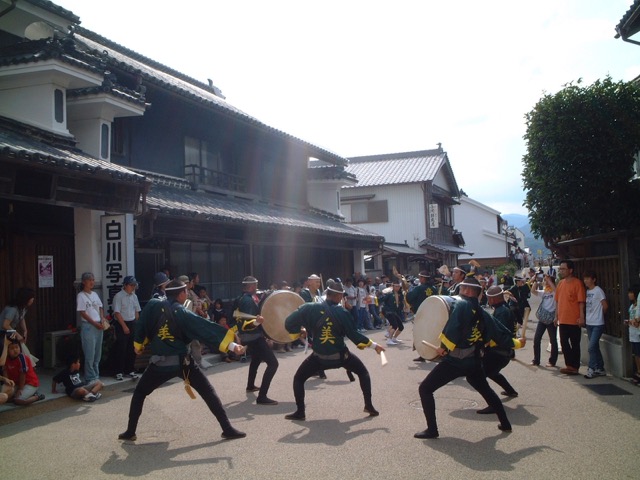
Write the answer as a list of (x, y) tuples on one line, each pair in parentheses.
[(253, 389), (266, 401), (505, 428), (510, 394), (297, 415), (419, 359), (127, 436), (426, 434), (486, 411), (371, 411), (232, 434)]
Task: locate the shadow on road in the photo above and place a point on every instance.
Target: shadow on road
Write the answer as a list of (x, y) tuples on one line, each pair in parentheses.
[(329, 432), (144, 458), (484, 455), (517, 416)]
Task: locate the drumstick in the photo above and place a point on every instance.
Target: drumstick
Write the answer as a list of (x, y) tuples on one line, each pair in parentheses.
[(524, 327), (238, 314), (383, 359), (429, 344), (306, 345)]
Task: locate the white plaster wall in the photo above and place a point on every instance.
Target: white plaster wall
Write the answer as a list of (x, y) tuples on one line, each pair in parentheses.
[(478, 224), (87, 238), (324, 195), (406, 212), (33, 105), (88, 134)]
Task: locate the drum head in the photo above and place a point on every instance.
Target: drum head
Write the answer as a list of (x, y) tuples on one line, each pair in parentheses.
[(275, 309), (428, 323)]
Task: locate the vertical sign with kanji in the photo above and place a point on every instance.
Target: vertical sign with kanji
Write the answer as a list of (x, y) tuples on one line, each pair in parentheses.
[(114, 256), (433, 215)]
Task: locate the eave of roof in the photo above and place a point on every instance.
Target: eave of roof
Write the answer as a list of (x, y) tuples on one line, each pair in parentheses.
[(330, 172), (184, 202), (445, 247), (630, 23), (119, 92), (30, 146), (188, 87), (61, 49), (402, 249)]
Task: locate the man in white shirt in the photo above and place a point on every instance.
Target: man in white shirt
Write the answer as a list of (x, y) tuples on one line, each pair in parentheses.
[(126, 310)]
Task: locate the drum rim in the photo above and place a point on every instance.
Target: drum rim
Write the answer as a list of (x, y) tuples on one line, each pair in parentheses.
[(447, 305), (273, 294)]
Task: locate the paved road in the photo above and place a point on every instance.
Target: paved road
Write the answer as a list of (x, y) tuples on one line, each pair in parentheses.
[(562, 429)]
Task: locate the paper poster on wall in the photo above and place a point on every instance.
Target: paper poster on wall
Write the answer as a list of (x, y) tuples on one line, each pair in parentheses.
[(45, 271)]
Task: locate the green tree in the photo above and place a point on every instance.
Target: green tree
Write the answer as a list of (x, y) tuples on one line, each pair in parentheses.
[(578, 170)]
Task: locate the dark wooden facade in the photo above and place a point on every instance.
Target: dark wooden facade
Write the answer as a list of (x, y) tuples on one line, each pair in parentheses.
[(615, 257), (27, 231)]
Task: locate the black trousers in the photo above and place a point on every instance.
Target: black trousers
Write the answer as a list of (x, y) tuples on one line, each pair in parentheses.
[(153, 377), (492, 363), (446, 371), (125, 356), (570, 342), (395, 321), (312, 364), (261, 352)]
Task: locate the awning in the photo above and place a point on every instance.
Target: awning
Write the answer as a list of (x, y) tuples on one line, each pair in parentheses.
[(181, 202), (44, 167), (402, 249), (447, 248)]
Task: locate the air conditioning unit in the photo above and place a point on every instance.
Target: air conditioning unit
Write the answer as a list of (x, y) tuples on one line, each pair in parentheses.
[(51, 340)]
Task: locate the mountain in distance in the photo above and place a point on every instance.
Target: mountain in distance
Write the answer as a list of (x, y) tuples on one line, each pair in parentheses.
[(521, 222), (517, 220)]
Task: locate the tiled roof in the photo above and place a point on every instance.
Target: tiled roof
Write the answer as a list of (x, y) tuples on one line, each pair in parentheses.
[(32, 146), (110, 85), (445, 247), (330, 172), (62, 49), (402, 248), (397, 168), (184, 202), (182, 84), (630, 23)]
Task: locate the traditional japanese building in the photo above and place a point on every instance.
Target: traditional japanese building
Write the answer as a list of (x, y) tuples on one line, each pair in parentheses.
[(116, 164), (408, 198)]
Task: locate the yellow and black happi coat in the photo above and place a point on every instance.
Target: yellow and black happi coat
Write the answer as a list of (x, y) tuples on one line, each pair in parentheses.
[(419, 294), (248, 329), (168, 336), (391, 304), (503, 314), (470, 327), (328, 330)]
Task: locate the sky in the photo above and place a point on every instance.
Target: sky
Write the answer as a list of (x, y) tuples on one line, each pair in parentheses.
[(372, 77)]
